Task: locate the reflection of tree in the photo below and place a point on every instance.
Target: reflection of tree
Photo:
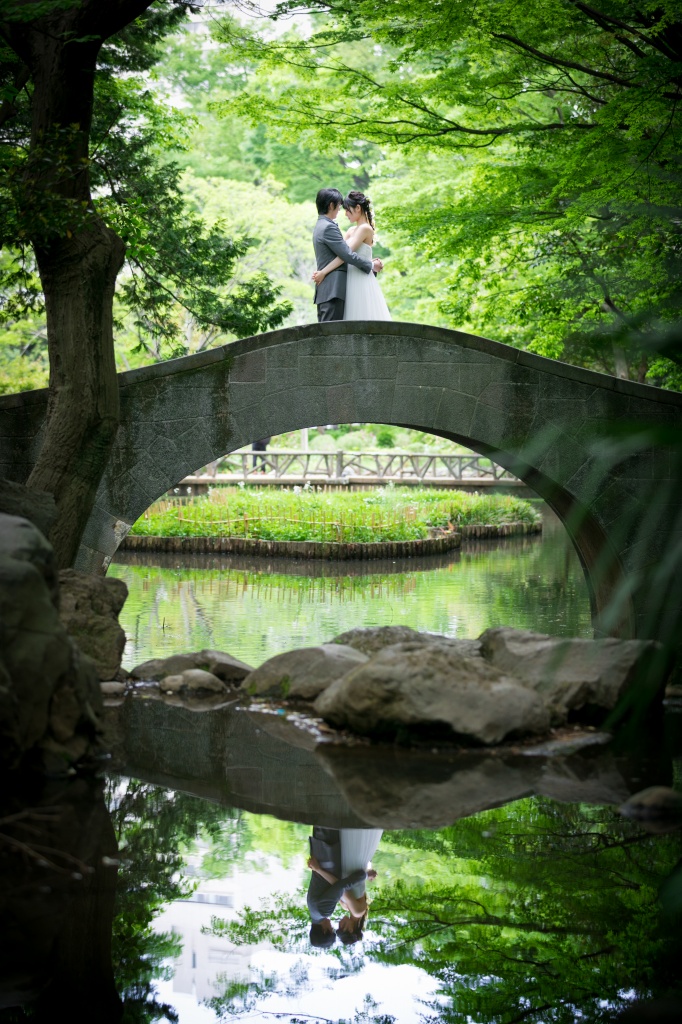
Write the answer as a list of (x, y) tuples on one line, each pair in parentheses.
[(258, 837), (537, 911), (153, 827), (156, 829)]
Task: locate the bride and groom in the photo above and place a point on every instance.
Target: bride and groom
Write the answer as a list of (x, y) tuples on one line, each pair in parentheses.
[(340, 866), (346, 287)]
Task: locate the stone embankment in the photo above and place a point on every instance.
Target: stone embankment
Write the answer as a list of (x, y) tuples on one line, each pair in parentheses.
[(329, 550)]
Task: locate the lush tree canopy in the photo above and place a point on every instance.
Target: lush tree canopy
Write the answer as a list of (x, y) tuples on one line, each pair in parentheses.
[(174, 259), (531, 157)]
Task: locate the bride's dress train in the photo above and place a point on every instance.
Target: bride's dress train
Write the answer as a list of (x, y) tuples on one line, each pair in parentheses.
[(364, 297), (358, 846)]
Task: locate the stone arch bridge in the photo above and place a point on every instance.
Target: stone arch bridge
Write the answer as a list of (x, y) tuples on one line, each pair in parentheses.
[(537, 417)]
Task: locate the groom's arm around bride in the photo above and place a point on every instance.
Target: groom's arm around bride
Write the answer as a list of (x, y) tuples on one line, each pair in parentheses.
[(330, 294)]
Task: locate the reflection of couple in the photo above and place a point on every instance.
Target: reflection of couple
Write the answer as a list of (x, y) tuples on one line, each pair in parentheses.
[(346, 287), (340, 866)]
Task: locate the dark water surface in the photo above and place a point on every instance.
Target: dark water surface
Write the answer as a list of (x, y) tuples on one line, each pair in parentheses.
[(508, 886), (256, 608)]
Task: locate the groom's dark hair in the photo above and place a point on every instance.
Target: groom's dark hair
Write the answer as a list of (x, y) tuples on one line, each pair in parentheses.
[(327, 197), (320, 938)]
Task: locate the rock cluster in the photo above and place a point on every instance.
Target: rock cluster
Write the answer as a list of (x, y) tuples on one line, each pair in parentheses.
[(49, 691), (415, 687), (199, 672), (403, 683), (303, 673)]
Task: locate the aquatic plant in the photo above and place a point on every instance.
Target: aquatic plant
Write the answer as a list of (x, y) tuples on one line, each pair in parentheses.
[(390, 514)]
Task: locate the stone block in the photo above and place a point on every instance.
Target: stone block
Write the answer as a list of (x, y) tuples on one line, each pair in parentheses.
[(474, 378), (431, 374), (249, 367), (89, 607), (341, 407), (415, 406), (324, 371), (374, 401)]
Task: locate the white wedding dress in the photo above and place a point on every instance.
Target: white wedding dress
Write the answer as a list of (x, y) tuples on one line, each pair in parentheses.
[(364, 297), (358, 845)]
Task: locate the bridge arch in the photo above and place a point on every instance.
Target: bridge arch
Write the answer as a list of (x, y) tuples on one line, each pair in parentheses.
[(534, 416)]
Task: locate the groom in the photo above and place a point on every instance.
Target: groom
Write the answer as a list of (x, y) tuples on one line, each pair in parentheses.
[(326, 886), (330, 294)]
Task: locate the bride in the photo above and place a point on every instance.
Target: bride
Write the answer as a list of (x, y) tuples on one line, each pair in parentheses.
[(364, 298), (358, 845)]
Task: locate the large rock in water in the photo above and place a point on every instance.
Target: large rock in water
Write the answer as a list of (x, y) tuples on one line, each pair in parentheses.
[(302, 673), (392, 788), (570, 674), (220, 664), (371, 641), (193, 680), (416, 687), (49, 691), (89, 608)]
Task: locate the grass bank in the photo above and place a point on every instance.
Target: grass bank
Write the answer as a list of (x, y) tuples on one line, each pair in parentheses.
[(390, 514)]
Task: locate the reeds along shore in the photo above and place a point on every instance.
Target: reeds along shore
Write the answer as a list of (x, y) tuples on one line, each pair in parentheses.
[(395, 516)]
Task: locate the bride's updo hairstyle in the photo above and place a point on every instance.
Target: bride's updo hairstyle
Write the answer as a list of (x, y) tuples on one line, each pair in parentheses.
[(354, 199)]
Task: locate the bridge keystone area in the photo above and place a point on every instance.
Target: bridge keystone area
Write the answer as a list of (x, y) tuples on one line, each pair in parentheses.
[(535, 417)]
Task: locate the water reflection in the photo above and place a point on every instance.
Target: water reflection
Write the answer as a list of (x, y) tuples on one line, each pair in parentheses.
[(340, 867), (255, 609), (534, 911)]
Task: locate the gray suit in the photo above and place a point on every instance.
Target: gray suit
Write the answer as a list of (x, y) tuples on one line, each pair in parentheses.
[(328, 241)]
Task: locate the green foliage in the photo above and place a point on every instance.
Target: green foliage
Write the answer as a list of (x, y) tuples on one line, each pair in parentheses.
[(228, 146), (386, 437), (531, 175), (179, 270), (391, 514), (151, 825), (535, 911)]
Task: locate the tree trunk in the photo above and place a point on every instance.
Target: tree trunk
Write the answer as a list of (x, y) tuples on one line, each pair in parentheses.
[(620, 363), (643, 368), (78, 275), (78, 260)]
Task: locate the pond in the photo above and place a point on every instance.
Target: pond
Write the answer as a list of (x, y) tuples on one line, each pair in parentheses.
[(508, 888), (171, 883), (257, 608)]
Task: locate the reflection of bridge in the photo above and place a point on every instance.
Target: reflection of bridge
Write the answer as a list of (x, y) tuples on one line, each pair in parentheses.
[(542, 420), (281, 468)]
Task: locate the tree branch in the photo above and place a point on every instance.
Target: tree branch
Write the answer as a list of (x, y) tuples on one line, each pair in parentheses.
[(603, 20), (558, 62)]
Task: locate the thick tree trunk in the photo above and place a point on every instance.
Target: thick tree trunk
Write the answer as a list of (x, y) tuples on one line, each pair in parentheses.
[(78, 275), (78, 256), (78, 260)]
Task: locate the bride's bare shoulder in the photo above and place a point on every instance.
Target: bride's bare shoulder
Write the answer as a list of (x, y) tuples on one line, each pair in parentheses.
[(350, 232)]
